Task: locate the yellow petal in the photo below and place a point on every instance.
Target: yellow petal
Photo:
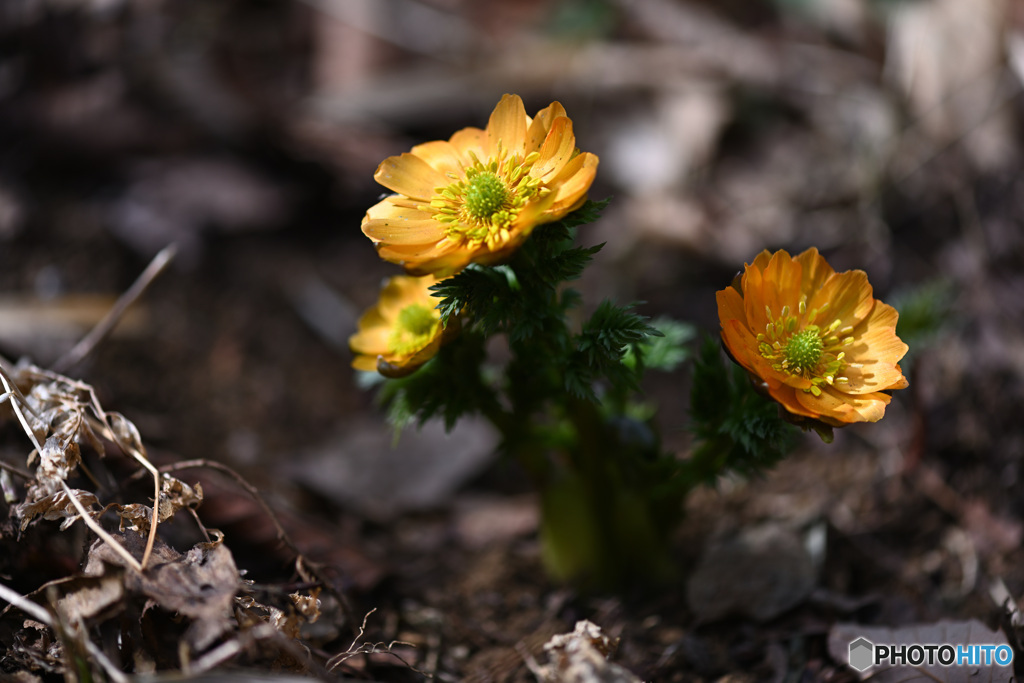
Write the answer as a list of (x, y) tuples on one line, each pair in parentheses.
[(443, 157), (541, 124), (470, 140), (507, 127), (365, 363), (385, 222), (409, 175), (556, 151), (578, 176)]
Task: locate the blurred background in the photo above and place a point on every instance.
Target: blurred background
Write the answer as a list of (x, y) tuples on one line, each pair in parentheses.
[(246, 132)]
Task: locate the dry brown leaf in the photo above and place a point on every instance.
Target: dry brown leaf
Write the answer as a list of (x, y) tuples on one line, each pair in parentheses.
[(200, 585), (53, 507), (86, 597)]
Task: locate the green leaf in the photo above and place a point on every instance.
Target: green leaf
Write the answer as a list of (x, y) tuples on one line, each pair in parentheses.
[(738, 429), (666, 352), (450, 385)]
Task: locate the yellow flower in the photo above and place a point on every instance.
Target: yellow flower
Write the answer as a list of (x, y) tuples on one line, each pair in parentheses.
[(815, 339), (402, 331), (476, 197)]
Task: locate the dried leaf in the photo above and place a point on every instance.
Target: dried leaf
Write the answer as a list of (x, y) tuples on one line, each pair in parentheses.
[(86, 597), (174, 495), (581, 657), (54, 506), (200, 585), (125, 433)]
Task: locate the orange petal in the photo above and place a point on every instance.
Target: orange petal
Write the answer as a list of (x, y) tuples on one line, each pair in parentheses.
[(753, 298), (741, 344), (409, 175), (578, 176), (845, 408), (901, 383), (541, 124), (781, 287), (873, 357), (849, 299), (442, 156), (789, 398), (470, 140), (730, 305), (762, 260), (507, 127), (556, 151), (816, 271)]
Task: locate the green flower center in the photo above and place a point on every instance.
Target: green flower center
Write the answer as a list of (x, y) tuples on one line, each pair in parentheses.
[(480, 206), (797, 346), (415, 328), (485, 195), (803, 350)]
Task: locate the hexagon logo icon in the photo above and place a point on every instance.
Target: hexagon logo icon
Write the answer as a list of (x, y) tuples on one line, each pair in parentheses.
[(862, 654)]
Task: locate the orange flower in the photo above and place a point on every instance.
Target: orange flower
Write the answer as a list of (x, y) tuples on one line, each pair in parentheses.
[(402, 331), (815, 339), (476, 197)]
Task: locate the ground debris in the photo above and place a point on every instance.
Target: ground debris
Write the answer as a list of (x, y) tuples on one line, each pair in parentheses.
[(163, 607), (581, 657)]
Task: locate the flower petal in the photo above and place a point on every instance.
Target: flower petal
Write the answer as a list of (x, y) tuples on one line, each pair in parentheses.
[(781, 285), (753, 298), (789, 398), (442, 156), (849, 298), (470, 140), (541, 124), (832, 404), (816, 271), (507, 127), (385, 222), (762, 260), (873, 357), (556, 151), (409, 175), (573, 183)]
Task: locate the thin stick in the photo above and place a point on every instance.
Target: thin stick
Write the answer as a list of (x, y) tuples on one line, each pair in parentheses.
[(24, 474), (282, 535), (103, 328), (98, 530), (139, 457), (42, 616), (12, 395)]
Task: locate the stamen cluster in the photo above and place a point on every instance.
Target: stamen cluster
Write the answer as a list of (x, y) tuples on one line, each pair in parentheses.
[(481, 207), (794, 344)]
